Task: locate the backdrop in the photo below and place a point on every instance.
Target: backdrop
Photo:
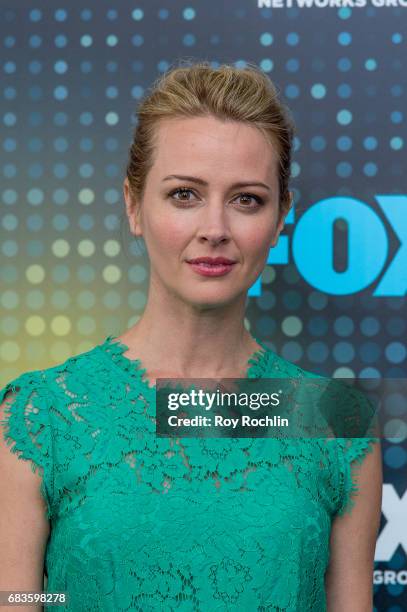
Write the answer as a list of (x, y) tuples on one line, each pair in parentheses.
[(332, 297)]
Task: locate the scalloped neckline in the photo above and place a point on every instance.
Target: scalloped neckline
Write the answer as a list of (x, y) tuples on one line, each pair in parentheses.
[(114, 348)]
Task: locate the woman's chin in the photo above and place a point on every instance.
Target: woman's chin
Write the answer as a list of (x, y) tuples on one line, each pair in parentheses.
[(214, 299)]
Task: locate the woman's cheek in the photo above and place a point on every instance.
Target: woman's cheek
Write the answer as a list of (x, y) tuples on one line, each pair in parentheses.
[(169, 228)]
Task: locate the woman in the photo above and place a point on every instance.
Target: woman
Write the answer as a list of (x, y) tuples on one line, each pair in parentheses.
[(133, 521)]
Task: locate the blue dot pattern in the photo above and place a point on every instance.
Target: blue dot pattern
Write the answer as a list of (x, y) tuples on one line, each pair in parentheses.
[(71, 273)]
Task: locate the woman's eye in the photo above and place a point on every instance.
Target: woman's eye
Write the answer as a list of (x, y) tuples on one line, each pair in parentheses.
[(181, 190), (247, 196), (258, 200)]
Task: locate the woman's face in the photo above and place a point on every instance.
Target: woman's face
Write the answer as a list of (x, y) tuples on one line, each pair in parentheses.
[(213, 217)]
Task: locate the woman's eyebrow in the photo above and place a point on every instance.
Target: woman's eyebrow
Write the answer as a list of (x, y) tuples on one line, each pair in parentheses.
[(200, 181)]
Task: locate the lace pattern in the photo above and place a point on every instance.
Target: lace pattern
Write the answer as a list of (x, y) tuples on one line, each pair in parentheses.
[(146, 523), (26, 424)]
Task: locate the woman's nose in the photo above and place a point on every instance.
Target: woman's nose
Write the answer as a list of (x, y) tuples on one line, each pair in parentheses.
[(214, 223)]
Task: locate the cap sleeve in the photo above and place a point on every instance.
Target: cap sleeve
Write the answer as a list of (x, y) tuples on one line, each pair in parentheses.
[(351, 454), (26, 423)]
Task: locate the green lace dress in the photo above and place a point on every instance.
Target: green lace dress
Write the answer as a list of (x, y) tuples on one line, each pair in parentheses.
[(146, 523)]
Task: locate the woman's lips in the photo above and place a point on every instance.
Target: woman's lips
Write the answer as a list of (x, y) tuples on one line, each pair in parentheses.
[(211, 269)]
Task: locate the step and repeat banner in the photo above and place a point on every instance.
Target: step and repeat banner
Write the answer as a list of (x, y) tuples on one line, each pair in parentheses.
[(332, 297)]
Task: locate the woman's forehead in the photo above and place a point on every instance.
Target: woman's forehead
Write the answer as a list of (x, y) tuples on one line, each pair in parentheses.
[(199, 145)]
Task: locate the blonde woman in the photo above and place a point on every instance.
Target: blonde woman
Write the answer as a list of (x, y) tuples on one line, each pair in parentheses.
[(120, 519)]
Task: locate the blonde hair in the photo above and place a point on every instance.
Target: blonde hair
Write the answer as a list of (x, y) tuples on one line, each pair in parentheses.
[(227, 93)]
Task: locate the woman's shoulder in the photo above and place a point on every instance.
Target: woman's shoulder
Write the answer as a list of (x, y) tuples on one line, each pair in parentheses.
[(344, 452), (61, 381), (45, 409)]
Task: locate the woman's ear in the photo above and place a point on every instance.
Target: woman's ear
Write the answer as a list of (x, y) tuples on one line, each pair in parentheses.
[(132, 209), (281, 218)]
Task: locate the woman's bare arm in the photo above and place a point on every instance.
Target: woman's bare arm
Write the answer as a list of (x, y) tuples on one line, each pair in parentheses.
[(24, 527), (349, 577)]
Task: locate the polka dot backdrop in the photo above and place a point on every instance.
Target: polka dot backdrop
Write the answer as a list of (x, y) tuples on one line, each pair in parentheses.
[(71, 273)]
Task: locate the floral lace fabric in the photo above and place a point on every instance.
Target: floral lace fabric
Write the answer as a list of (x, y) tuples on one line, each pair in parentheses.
[(194, 524)]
